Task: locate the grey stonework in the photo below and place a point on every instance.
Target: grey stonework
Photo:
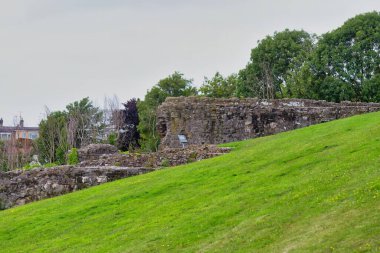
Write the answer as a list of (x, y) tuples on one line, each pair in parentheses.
[(20, 187), (100, 163), (163, 158), (212, 121), (93, 151)]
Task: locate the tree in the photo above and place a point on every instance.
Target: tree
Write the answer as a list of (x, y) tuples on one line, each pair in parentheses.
[(52, 141), (174, 85), (265, 76), (350, 55), (3, 157), (371, 89), (111, 109), (84, 123), (219, 87), (80, 125), (129, 136)]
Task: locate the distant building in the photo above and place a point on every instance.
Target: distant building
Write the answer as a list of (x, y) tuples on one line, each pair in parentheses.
[(19, 132)]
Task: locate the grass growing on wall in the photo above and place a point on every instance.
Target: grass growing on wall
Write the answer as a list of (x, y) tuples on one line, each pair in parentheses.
[(316, 189)]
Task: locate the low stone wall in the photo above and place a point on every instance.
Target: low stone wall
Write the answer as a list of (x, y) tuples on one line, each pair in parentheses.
[(164, 158), (213, 121), (20, 187), (93, 151)]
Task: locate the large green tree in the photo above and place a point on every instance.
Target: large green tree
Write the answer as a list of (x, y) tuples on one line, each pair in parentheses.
[(52, 141), (80, 124), (84, 123), (265, 76), (174, 85), (346, 60), (219, 86)]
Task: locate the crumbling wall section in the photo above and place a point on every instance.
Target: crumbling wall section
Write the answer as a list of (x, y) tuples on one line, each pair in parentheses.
[(213, 121), (163, 158), (20, 187)]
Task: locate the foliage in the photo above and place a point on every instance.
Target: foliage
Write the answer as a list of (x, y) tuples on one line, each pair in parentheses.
[(112, 138), (174, 85), (60, 156), (50, 165), (272, 60), (84, 123), (36, 165), (319, 192), (3, 157), (371, 89), (52, 139), (129, 135), (80, 125), (219, 87), (31, 166), (72, 158), (165, 163), (349, 55)]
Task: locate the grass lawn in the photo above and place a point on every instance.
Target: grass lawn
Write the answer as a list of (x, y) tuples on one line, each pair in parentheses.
[(316, 189)]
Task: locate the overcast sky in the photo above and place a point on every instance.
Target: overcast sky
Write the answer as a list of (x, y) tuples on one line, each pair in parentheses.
[(53, 52)]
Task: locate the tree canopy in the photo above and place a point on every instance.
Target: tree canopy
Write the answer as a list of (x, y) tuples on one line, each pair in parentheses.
[(79, 125), (265, 76), (347, 59), (84, 122), (219, 87)]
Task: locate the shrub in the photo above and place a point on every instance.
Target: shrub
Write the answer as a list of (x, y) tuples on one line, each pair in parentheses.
[(60, 156), (72, 158), (112, 139)]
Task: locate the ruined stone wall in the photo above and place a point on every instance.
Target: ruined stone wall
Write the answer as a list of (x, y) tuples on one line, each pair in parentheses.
[(213, 121), (20, 187), (99, 163), (164, 158)]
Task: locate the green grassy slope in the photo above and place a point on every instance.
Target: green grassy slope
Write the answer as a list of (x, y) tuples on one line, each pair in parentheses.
[(315, 189)]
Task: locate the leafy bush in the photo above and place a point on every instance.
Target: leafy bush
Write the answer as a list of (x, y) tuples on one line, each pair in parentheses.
[(72, 158), (60, 156), (112, 139)]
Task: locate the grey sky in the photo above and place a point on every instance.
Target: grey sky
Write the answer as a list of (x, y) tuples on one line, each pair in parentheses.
[(53, 52)]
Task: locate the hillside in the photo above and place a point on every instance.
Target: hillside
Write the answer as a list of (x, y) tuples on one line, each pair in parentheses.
[(316, 189)]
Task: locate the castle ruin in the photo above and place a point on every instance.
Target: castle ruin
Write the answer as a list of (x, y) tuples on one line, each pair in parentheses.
[(212, 121)]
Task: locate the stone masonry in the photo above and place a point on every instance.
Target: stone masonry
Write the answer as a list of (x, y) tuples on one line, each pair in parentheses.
[(99, 163), (213, 121), (19, 187), (163, 158)]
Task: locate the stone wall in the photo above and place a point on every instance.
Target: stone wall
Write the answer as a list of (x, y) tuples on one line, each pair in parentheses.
[(163, 158), (213, 121), (99, 163), (20, 187)]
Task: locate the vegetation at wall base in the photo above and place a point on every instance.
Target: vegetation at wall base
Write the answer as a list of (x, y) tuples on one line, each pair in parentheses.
[(315, 189), (72, 157)]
